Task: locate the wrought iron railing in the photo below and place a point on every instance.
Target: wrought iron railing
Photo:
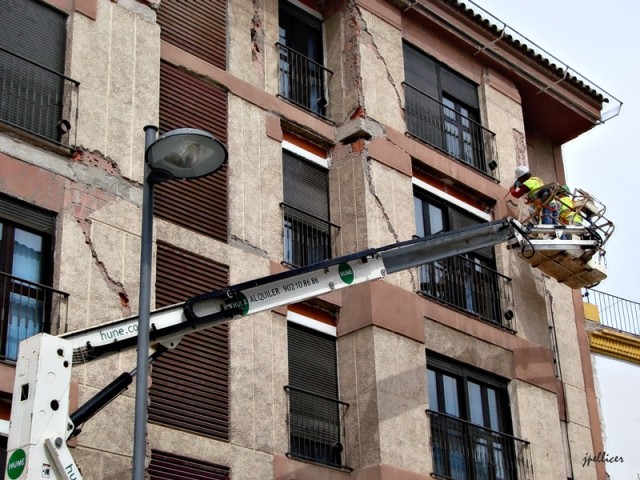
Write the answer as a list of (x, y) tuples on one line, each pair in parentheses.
[(28, 308), (316, 427), (464, 451), (475, 289), (307, 239), (437, 124), (302, 80), (616, 312), (37, 99)]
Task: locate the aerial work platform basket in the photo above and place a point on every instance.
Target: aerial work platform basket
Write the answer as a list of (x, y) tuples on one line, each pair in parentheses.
[(571, 248)]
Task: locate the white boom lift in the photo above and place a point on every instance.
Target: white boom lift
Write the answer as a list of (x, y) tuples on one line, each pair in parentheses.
[(40, 422)]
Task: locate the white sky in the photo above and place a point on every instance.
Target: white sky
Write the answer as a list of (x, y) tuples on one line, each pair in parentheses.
[(599, 40)]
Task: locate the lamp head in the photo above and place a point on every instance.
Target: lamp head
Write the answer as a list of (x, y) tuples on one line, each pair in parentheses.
[(185, 153)]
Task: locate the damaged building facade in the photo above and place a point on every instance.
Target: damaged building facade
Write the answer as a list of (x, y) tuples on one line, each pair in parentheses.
[(349, 125)]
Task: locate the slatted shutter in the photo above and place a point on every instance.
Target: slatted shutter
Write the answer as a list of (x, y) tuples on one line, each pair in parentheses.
[(27, 215), (420, 71), (306, 186), (30, 96), (460, 219), (168, 466), (196, 26), (34, 30), (201, 204), (312, 361), (190, 385), (314, 411)]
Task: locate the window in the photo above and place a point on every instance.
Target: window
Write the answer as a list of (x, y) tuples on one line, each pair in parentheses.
[(25, 269), (190, 387), (315, 413), (442, 109), (468, 282), (471, 424), (32, 57), (302, 75), (306, 227)]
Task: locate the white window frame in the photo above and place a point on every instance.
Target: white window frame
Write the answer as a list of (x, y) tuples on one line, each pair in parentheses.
[(311, 323), (451, 199)]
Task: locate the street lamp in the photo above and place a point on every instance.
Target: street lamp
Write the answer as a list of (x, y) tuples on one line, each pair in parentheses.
[(179, 154)]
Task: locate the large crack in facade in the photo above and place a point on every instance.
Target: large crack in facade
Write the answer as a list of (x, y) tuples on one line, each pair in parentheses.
[(370, 40), (89, 200)]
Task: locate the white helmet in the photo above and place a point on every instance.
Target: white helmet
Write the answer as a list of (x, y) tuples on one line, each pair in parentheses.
[(521, 170)]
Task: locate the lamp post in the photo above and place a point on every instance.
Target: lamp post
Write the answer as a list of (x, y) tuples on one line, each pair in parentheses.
[(179, 154)]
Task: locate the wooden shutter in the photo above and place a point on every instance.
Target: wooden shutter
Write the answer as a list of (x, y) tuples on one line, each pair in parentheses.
[(169, 466), (196, 26), (312, 361), (190, 384), (201, 204), (306, 186)]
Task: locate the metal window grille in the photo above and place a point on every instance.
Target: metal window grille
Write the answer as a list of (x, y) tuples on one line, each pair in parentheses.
[(446, 127), (464, 451), (27, 308), (464, 283)]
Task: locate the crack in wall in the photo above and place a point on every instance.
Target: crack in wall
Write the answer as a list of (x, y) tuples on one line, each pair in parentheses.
[(257, 35), (366, 164), (84, 200), (379, 56)]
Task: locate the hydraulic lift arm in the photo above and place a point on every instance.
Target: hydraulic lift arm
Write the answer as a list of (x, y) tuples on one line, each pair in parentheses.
[(37, 441)]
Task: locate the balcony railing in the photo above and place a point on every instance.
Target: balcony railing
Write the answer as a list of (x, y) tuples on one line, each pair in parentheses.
[(36, 99), (616, 312), (27, 308), (307, 239), (440, 126), (464, 451), (302, 80), (470, 287), (316, 428)]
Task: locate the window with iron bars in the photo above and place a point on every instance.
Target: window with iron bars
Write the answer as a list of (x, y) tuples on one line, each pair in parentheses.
[(307, 232), (303, 78), (29, 305), (442, 109), (471, 425), (35, 95), (316, 415), (466, 282)]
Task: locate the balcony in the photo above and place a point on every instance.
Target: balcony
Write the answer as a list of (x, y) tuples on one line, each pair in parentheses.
[(28, 308), (464, 451), (472, 288), (303, 81), (307, 239), (36, 99), (616, 312), (316, 428), (442, 127)]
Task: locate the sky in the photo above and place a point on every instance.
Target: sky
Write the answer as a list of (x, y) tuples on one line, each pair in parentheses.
[(599, 40)]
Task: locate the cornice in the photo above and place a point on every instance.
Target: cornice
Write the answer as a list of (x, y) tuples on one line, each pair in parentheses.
[(615, 344)]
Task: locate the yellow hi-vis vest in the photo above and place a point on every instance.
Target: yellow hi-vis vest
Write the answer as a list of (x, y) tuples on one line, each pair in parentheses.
[(568, 215), (533, 184)]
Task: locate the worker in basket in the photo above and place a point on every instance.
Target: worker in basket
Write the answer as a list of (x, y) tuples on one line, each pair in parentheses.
[(539, 197)]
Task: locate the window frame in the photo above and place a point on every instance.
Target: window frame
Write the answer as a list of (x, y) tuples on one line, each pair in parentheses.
[(461, 447), (323, 421), (15, 215), (435, 80), (307, 235)]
